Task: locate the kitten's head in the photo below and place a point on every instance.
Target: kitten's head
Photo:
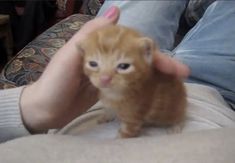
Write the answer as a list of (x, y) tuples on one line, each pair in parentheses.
[(117, 57)]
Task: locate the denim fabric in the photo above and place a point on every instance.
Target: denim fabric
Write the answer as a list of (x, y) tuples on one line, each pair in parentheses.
[(208, 48)]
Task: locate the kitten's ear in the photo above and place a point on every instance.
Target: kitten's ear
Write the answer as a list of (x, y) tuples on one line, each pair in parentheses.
[(148, 47)]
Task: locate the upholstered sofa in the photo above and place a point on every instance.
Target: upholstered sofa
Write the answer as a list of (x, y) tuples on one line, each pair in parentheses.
[(30, 62)]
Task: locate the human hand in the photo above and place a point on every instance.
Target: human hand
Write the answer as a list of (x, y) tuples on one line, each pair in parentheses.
[(62, 92), (170, 66)]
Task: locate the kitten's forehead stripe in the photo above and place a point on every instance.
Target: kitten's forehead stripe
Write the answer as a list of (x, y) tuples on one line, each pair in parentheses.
[(108, 39), (119, 55), (99, 55), (120, 34)]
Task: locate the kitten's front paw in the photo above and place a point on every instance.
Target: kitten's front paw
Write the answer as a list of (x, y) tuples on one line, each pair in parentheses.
[(175, 129), (129, 130), (125, 135)]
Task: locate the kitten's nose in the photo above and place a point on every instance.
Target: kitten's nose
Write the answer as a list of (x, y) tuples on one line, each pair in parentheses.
[(105, 79)]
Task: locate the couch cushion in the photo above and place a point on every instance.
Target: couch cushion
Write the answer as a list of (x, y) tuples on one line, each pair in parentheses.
[(30, 62)]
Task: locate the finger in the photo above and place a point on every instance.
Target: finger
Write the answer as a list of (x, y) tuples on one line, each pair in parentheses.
[(170, 66)]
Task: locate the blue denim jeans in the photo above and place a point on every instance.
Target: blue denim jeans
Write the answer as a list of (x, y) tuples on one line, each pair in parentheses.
[(208, 48)]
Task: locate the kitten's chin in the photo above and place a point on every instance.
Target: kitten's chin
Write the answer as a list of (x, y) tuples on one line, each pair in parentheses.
[(109, 87), (105, 86), (101, 86)]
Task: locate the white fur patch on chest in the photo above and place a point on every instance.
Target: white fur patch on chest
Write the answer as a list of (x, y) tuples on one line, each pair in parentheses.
[(110, 94)]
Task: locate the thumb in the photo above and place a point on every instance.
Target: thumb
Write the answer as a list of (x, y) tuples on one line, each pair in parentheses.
[(112, 14)]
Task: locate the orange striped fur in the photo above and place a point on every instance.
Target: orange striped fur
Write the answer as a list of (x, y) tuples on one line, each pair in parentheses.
[(140, 95)]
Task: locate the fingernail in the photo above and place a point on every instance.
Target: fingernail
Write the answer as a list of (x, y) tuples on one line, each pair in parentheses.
[(111, 12)]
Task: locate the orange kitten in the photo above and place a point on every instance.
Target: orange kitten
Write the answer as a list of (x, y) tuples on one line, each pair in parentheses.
[(118, 61)]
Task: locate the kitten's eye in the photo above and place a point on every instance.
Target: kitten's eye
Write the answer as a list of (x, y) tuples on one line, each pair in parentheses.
[(123, 66), (93, 64)]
